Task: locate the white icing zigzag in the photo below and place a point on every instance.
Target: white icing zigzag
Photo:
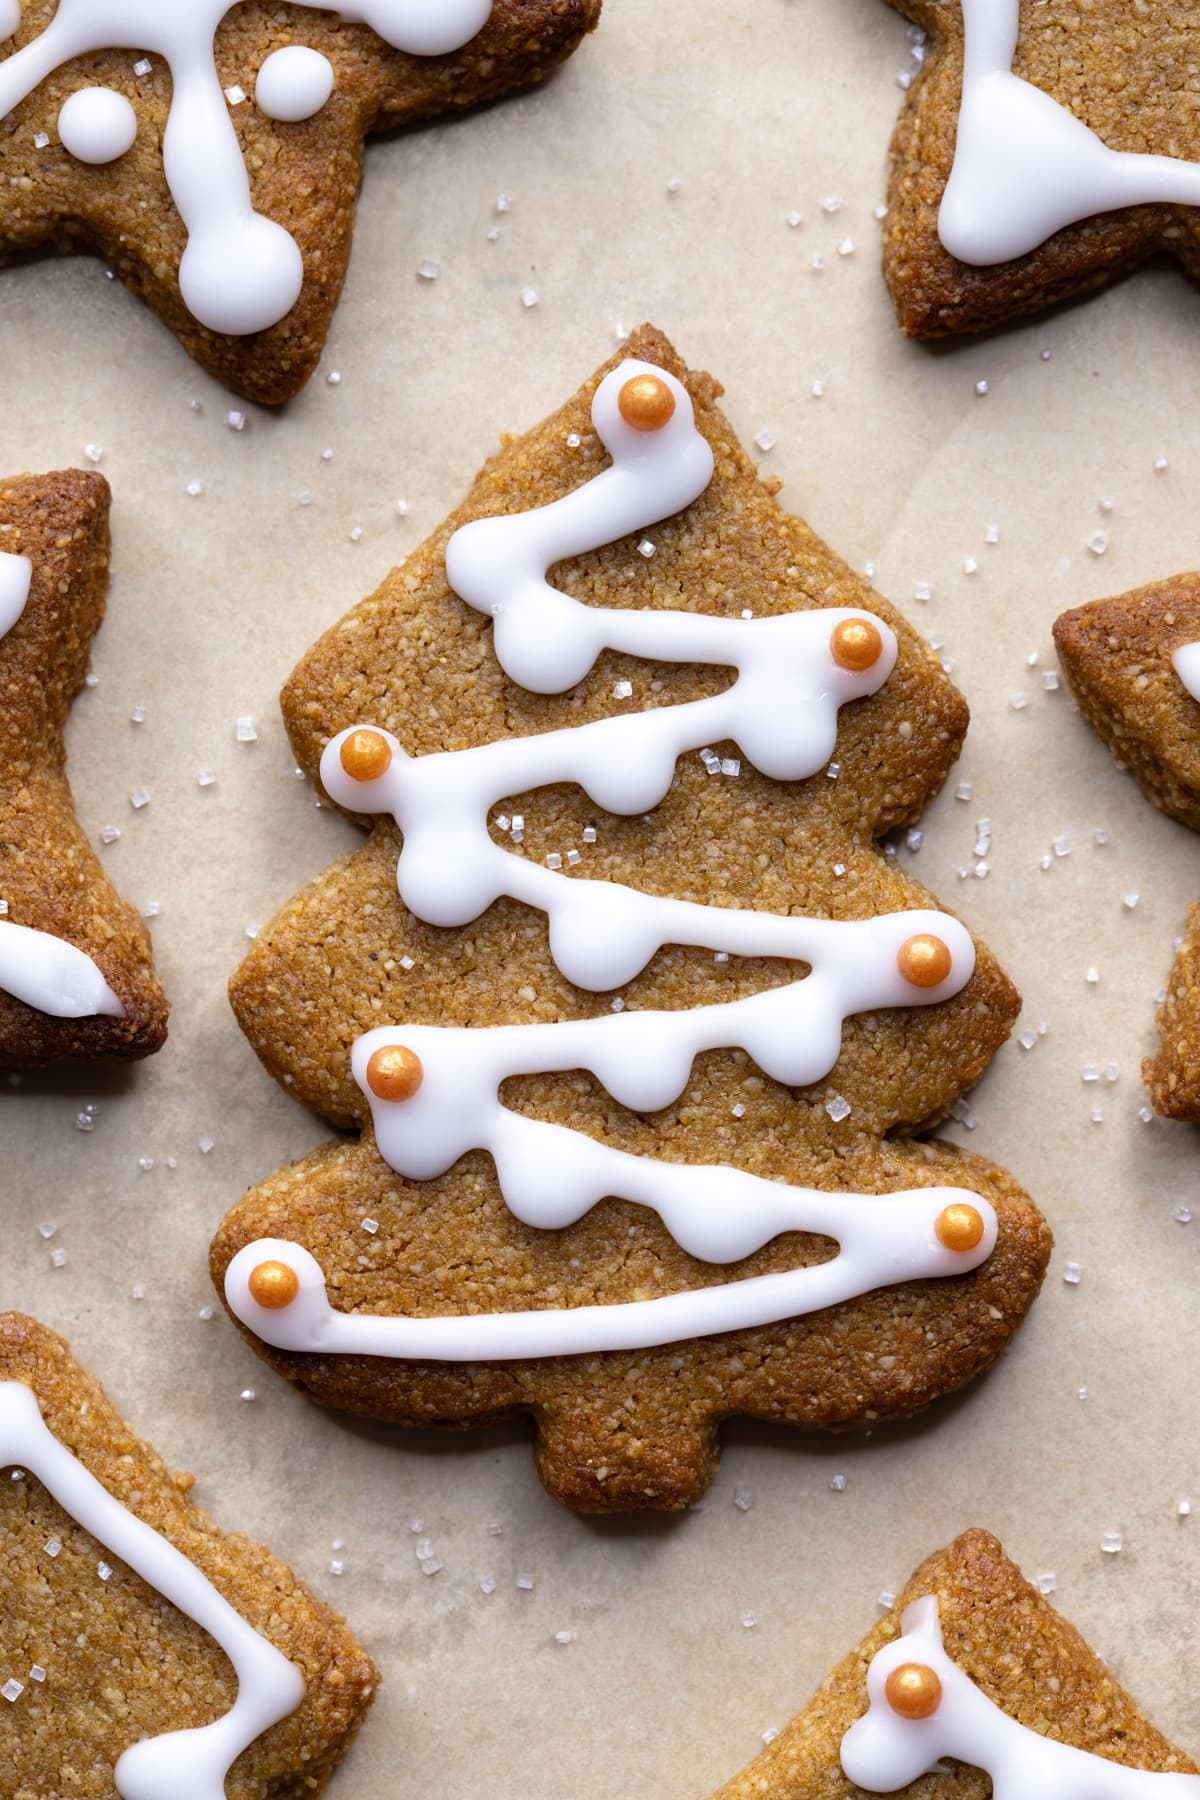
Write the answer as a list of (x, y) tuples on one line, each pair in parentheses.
[(241, 272), (1024, 166), (184, 1765), (781, 710), (1187, 667), (887, 1749)]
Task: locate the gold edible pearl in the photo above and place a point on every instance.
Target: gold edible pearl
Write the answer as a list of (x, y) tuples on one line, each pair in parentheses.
[(960, 1227), (395, 1073), (365, 755), (273, 1285), (856, 644), (914, 1691), (924, 960), (646, 403)]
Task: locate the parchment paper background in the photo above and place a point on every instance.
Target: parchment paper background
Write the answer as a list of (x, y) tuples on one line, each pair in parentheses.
[(759, 108)]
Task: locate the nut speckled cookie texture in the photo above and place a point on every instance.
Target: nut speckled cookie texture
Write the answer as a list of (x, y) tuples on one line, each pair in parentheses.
[(1044, 211), (112, 1661), (635, 1427), (54, 539), (1014, 1647), (1129, 661), (217, 175)]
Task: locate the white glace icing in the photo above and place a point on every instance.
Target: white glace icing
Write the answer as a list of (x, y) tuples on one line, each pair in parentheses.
[(293, 84), (16, 574), (10, 18), (182, 1765), (97, 125), (1187, 666), (56, 977), (781, 710), (884, 1752), (1024, 166), (240, 272)]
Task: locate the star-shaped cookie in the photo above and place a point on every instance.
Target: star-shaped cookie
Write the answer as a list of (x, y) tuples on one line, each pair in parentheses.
[(212, 153), (76, 975), (1011, 1683), (1133, 663), (1043, 150), (725, 848)]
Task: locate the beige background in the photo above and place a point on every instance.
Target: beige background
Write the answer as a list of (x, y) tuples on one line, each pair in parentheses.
[(758, 107)]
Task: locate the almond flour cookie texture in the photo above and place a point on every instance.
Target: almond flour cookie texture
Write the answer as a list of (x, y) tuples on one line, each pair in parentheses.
[(212, 153), (1044, 149), (76, 976), (634, 1022), (1133, 663), (971, 1686), (145, 1652)]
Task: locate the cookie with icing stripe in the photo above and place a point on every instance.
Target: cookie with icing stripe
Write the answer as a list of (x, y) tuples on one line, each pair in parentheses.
[(971, 1686), (632, 1018), (1133, 663), (1043, 150), (77, 979), (144, 1652), (212, 153)]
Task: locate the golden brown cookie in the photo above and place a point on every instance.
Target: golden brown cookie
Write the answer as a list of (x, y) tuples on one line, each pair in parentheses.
[(1049, 199), (715, 887), (240, 242), (77, 952), (1011, 1646), (107, 1568), (1133, 663)]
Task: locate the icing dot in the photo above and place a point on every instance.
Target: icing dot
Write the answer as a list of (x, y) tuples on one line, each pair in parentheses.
[(913, 1691), (273, 1285), (365, 755), (96, 125), (10, 18), (856, 644), (959, 1227), (395, 1073), (240, 275), (293, 84), (924, 961), (646, 403)]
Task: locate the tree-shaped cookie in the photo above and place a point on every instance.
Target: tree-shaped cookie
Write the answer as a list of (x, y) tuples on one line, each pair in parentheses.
[(633, 1018), (1133, 663), (212, 152), (971, 1686), (1044, 149), (143, 1651), (76, 976)]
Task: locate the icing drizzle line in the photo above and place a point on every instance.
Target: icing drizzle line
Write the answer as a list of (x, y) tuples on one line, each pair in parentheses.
[(941, 1712), (1186, 661), (1024, 166), (241, 272), (781, 709), (182, 1765)]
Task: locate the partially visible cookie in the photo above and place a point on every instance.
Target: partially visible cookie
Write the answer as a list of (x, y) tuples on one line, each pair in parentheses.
[(1018, 169), (632, 1015), (1133, 663), (241, 239), (76, 975), (971, 1686), (129, 1617)]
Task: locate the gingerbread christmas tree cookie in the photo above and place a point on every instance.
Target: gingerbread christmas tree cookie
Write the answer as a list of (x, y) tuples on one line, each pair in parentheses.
[(1133, 663), (632, 1016), (143, 1652), (212, 152), (971, 1686), (1044, 150), (76, 976)]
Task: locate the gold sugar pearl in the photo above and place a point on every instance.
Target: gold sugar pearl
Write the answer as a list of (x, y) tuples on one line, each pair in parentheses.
[(646, 403), (395, 1073), (924, 961), (856, 644), (959, 1226), (913, 1691), (273, 1285), (366, 755)]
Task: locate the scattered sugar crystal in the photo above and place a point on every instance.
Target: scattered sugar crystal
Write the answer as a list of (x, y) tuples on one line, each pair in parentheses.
[(833, 771), (205, 1144), (881, 212), (1019, 702), (992, 535), (838, 1108), (1061, 846), (370, 1226), (981, 389), (1110, 1543), (246, 731), (137, 1291), (235, 420), (407, 963), (1073, 1274), (139, 798), (914, 838), (817, 264), (529, 297), (432, 1565), (109, 834), (922, 591), (487, 1585), (138, 716), (356, 534), (1047, 1583), (427, 269), (765, 441), (1100, 836), (1160, 465), (818, 392), (37, 1673), (1092, 976), (963, 791), (730, 765), (622, 690), (503, 203), (1146, 1115), (205, 1313), (334, 378), (12, 1690), (248, 1394), (58, 1259), (554, 860), (589, 834), (52, 1547), (886, 1600), (1111, 1072), (846, 247), (770, 1734), (838, 1483), (235, 95), (41, 140), (1182, 1511), (84, 1121), (1098, 543), (424, 1549), (47, 1229), (573, 859), (743, 1496), (525, 1583), (402, 508), (794, 219), (495, 1528), (1090, 1071), (337, 1566), (970, 566), (646, 548), (104, 1571), (1129, 901), (94, 452), (1182, 1214), (839, 868), (1027, 1039), (749, 1621), (206, 778), (832, 203), (1097, 1115), (564, 1637)]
